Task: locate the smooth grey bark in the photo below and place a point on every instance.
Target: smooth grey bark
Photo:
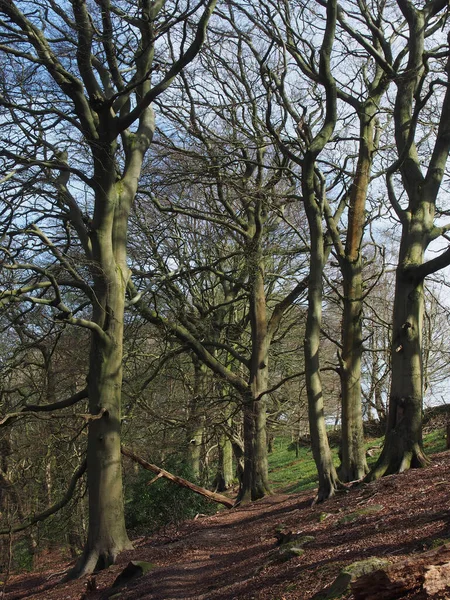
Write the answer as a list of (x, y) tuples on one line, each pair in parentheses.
[(353, 460), (353, 454), (102, 107), (107, 535), (196, 419), (314, 208), (403, 444), (256, 476), (309, 145), (224, 475)]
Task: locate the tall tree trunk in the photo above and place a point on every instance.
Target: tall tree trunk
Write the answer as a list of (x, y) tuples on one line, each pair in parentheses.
[(313, 198), (353, 458), (109, 108), (224, 475), (196, 419), (255, 478), (403, 443), (328, 479), (256, 475), (107, 535)]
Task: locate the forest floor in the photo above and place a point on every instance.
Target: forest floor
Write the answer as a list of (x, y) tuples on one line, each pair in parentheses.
[(233, 554)]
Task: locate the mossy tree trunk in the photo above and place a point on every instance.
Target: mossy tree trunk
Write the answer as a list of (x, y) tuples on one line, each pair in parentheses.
[(255, 478), (196, 418), (108, 238), (353, 457), (104, 104), (403, 444), (224, 476), (328, 480), (313, 198)]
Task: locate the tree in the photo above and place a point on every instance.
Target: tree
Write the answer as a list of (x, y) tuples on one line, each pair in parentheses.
[(77, 109), (228, 181), (421, 179)]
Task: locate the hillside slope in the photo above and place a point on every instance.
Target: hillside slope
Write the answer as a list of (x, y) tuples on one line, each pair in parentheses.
[(234, 554)]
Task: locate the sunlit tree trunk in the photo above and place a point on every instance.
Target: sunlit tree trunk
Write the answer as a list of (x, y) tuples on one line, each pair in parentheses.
[(353, 457), (107, 535), (313, 198), (196, 418), (256, 478), (328, 479), (403, 443), (224, 475)]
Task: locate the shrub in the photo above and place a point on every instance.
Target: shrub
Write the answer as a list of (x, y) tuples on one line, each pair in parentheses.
[(163, 503)]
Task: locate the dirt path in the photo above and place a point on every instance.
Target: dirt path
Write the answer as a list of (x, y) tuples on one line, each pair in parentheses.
[(233, 555)]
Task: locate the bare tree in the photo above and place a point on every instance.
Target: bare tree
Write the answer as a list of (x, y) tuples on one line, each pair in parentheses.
[(77, 93), (421, 177)]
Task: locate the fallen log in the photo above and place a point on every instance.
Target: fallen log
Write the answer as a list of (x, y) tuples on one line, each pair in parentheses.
[(428, 573), (178, 480)]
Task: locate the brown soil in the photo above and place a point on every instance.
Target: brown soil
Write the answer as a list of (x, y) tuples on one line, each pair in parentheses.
[(233, 555)]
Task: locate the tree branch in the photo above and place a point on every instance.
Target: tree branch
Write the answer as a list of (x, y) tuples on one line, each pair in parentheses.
[(53, 509)]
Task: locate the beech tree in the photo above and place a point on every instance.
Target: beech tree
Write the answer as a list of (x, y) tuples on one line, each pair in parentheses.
[(346, 162), (78, 83), (302, 117), (417, 70), (225, 172)]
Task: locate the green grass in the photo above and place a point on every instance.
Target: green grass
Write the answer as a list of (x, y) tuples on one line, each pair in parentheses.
[(434, 441), (290, 475)]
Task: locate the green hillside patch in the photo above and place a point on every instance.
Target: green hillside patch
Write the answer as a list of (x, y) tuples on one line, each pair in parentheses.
[(291, 474)]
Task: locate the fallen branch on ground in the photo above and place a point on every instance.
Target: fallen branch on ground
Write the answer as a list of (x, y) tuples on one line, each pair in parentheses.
[(178, 480)]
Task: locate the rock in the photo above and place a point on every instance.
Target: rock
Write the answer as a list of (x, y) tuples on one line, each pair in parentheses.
[(323, 516), (362, 512), (290, 537), (134, 569), (290, 546), (290, 552), (350, 573)]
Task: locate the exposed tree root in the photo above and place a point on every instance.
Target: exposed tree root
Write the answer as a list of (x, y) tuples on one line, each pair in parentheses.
[(329, 485), (397, 456), (356, 473), (93, 560)]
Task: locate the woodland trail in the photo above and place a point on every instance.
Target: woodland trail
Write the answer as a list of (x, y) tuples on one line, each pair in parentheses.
[(234, 554)]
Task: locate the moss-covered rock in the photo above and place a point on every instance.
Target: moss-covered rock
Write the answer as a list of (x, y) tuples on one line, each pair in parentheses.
[(299, 541), (362, 512), (437, 543), (289, 537), (285, 554), (134, 570), (323, 515), (290, 546), (341, 585)]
